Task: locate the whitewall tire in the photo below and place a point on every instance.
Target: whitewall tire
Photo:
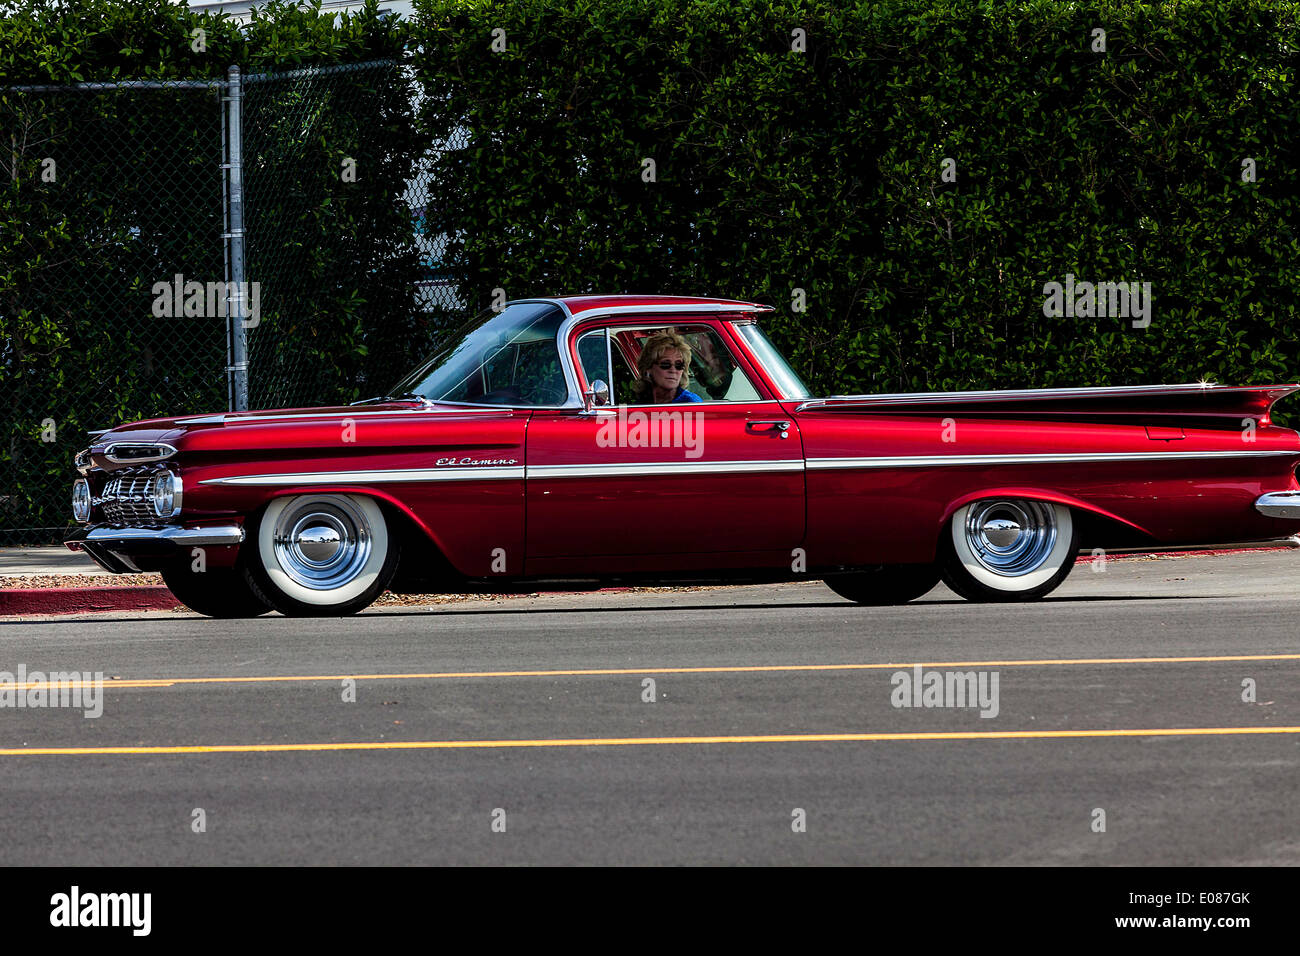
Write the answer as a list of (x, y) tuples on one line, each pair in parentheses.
[(1009, 549), (319, 555)]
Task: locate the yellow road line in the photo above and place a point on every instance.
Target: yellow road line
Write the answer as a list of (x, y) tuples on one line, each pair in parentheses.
[(625, 671), (636, 741)]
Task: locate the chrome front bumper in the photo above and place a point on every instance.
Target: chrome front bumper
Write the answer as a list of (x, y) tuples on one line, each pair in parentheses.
[(1279, 504), (117, 549)]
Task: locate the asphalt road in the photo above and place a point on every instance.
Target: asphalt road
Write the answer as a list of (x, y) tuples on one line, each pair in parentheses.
[(531, 715)]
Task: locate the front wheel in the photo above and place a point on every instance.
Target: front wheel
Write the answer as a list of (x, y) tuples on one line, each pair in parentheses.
[(217, 592), (1008, 549), (885, 583), (321, 555)]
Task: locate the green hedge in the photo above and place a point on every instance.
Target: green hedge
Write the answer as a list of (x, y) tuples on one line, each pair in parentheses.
[(137, 198), (776, 169), (822, 170)]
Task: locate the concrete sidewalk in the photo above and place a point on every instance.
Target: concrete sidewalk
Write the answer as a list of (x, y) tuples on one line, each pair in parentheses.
[(55, 559)]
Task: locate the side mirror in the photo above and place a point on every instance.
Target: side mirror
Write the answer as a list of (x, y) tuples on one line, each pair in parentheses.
[(598, 394)]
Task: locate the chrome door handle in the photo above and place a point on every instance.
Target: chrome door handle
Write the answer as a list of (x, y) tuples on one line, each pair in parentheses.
[(783, 428)]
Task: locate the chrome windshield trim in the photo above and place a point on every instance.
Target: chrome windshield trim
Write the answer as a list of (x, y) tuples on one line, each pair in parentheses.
[(924, 461)]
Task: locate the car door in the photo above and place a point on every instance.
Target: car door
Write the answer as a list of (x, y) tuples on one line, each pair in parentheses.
[(660, 487)]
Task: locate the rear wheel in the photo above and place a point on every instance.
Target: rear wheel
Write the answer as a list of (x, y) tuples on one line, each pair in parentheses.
[(218, 592), (1008, 549), (321, 555), (886, 583)]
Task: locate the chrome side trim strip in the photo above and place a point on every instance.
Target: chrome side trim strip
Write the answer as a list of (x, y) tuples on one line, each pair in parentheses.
[(920, 461), (1279, 504), (376, 476), (686, 467), (582, 470), (645, 468)]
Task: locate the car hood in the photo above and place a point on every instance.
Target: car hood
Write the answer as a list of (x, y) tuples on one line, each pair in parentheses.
[(298, 429)]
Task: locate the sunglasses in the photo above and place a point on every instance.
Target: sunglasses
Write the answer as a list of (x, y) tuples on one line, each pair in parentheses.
[(667, 366)]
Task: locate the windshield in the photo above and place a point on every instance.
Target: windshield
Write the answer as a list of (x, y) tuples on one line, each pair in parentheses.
[(783, 376), (499, 358)]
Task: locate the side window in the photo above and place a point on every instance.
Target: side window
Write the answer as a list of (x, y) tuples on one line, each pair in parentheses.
[(510, 360), (499, 371), (526, 373), (538, 375), (593, 355), (715, 374)]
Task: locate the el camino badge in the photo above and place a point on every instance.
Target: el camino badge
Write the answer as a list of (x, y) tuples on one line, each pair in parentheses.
[(476, 462)]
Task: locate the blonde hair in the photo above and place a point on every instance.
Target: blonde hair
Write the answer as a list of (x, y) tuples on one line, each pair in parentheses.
[(652, 350)]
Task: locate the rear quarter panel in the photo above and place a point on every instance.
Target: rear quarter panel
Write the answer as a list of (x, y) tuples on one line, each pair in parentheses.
[(880, 512)]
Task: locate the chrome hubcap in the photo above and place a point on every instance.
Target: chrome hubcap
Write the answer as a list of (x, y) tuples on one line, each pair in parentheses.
[(1011, 537), (1001, 532), (322, 543)]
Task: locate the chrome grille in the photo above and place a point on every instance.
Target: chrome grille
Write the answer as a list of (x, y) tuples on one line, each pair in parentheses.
[(128, 499)]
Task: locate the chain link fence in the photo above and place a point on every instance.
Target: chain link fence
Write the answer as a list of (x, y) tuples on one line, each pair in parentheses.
[(118, 296), (344, 280)]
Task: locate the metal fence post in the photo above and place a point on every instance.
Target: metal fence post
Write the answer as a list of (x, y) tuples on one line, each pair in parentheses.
[(237, 369)]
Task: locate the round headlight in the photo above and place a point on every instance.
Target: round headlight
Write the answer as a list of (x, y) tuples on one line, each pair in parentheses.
[(81, 499), (164, 494)]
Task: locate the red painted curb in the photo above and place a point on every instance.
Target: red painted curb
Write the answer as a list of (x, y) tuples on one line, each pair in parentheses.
[(153, 597)]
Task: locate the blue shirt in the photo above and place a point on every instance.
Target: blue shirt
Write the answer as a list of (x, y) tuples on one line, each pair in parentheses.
[(684, 396)]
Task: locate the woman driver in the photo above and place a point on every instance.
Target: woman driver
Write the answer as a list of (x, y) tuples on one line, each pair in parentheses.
[(664, 368)]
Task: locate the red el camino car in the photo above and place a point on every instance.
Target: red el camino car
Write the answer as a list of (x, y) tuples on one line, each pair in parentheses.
[(522, 454)]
